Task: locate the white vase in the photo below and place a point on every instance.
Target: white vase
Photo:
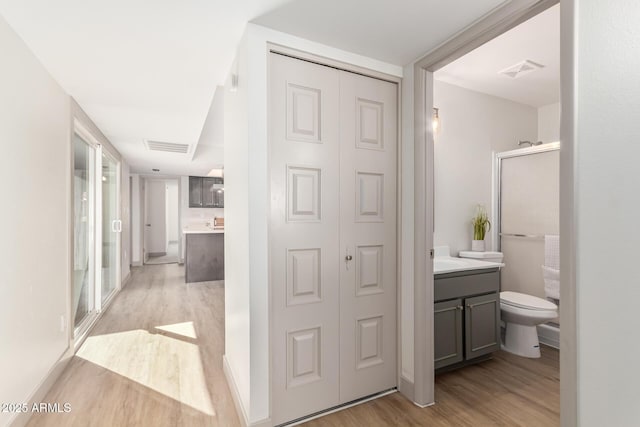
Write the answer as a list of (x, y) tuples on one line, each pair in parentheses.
[(477, 245)]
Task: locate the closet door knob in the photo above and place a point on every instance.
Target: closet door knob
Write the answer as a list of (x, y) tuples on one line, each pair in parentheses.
[(348, 257)]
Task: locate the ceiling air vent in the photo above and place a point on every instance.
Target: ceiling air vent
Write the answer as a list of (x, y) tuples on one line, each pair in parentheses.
[(167, 147), (521, 68)]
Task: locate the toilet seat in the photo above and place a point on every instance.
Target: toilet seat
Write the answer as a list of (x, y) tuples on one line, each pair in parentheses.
[(528, 302)]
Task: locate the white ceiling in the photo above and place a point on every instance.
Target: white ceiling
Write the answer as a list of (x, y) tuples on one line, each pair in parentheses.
[(537, 40), (148, 69), (395, 31), (141, 69)]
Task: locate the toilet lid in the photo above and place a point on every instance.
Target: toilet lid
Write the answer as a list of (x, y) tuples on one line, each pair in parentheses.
[(530, 302)]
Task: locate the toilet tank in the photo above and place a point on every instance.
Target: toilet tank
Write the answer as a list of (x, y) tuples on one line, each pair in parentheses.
[(482, 256)]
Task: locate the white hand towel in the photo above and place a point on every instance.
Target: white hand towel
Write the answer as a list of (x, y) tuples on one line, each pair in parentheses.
[(551, 267), (551, 278), (552, 251)]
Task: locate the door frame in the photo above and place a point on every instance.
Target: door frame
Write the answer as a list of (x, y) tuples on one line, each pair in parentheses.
[(77, 335), (494, 24), (112, 156), (144, 180), (273, 48)]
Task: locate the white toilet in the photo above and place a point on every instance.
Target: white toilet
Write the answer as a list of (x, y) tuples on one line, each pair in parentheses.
[(521, 313)]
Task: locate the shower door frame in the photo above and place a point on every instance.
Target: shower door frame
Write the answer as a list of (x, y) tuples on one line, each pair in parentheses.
[(496, 197)]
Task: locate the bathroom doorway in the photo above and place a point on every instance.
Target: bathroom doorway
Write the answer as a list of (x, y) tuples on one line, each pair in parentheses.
[(501, 95)]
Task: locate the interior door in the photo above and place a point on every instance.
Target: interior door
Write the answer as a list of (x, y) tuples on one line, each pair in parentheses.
[(368, 146), (304, 106), (333, 183), (156, 214)]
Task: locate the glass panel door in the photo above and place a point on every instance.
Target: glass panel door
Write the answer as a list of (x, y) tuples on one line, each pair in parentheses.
[(84, 202), (111, 227)]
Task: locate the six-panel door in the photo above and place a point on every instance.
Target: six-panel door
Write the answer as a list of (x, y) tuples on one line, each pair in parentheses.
[(332, 236)]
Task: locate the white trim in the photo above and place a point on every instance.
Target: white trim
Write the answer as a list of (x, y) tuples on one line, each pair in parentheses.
[(490, 26), (424, 406), (235, 394), (341, 408), (126, 280), (405, 387), (41, 390)]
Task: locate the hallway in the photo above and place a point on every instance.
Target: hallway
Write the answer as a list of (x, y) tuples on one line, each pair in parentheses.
[(154, 358)]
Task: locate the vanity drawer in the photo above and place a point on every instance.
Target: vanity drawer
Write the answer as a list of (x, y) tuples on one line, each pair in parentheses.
[(455, 286)]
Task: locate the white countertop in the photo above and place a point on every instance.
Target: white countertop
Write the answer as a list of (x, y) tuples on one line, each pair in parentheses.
[(201, 229), (446, 264)]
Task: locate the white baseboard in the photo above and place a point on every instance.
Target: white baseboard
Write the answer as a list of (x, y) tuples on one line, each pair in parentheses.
[(549, 335), (242, 414), (406, 388), (342, 408), (126, 280), (262, 423), (21, 419)]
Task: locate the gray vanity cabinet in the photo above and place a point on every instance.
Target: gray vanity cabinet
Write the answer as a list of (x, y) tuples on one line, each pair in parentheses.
[(466, 317), (482, 325), (447, 333)]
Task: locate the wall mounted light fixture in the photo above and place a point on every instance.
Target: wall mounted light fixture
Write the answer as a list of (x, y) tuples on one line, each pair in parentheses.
[(435, 121)]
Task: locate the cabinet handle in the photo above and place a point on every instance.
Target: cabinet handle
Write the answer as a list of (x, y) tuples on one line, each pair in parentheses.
[(460, 307)]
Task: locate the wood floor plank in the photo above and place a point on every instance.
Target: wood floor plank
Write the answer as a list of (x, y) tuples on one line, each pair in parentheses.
[(153, 359), (505, 391)]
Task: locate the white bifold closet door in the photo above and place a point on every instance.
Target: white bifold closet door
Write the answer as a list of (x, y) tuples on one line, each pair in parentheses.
[(333, 153)]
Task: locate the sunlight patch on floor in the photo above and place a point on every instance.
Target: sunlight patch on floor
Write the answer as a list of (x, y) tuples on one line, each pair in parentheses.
[(167, 365), (185, 329)]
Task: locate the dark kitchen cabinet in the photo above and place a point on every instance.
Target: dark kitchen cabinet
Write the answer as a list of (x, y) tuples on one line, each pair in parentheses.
[(206, 192)]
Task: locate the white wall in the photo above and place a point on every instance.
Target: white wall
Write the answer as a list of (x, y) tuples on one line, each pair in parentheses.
[(35, 175), (136, 220), (125, 216), (600, 179), (248, 125), (549, 123), (236, 241), (173, 209), (474, 126)]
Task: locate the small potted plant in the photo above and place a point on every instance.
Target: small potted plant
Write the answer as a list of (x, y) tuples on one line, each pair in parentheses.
[(481, 225)]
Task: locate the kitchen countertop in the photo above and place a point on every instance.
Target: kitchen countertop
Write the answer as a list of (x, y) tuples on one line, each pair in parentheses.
[(201, 229)]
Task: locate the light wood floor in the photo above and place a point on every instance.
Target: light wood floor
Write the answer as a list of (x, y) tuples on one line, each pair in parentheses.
[(505, 391), (153, 359)]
